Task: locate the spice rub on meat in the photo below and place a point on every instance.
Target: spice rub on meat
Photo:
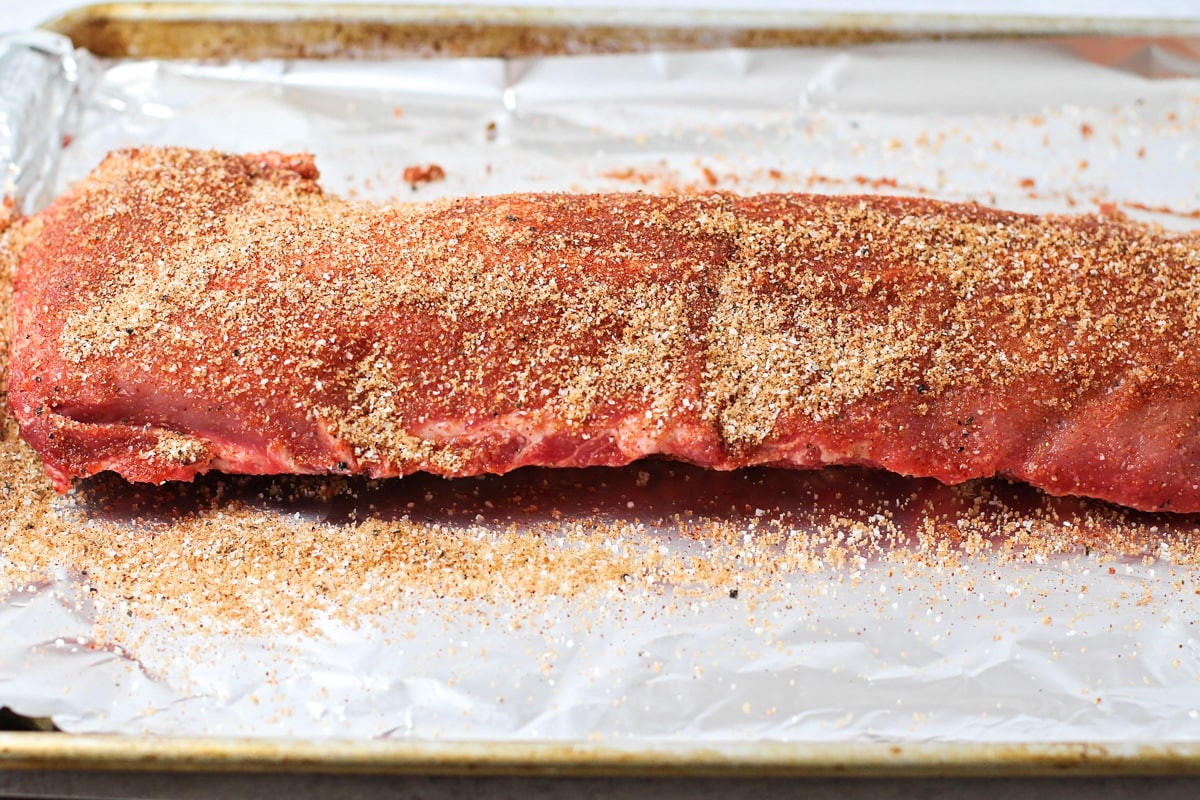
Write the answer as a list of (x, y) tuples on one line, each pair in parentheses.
[(182, 311)]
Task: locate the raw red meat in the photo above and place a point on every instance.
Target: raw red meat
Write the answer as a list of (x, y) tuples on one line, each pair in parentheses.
[(183, 311)]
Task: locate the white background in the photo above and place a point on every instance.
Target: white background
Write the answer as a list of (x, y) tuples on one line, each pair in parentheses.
[(23, 14)]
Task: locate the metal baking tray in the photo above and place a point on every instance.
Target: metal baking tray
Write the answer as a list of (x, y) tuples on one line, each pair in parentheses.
[(247, 32), (312, 30)]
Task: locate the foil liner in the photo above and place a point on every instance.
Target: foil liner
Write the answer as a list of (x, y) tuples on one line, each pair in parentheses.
[(40, 81), (1082, 645)]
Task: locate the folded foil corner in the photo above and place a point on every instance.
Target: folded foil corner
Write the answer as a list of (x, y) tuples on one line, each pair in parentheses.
[(40, 77)]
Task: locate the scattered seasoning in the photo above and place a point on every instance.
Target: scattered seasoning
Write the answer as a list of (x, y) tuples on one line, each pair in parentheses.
[(415, 175), (1189, 214)]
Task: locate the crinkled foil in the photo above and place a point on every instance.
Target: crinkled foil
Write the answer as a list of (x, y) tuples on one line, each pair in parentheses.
[(1083, 645), (39, 87)]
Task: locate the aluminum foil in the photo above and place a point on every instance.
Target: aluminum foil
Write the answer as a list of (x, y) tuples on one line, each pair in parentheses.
[(39, 83), (1084, 645)]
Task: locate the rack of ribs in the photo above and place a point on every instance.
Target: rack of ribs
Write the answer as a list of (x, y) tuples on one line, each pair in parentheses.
[(182, 311)]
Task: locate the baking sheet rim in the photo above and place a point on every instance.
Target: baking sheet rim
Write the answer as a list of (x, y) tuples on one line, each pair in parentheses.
[(112, 753), (599, 15)]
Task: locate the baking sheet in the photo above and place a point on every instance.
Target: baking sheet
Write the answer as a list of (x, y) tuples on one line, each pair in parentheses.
[(657, 603)]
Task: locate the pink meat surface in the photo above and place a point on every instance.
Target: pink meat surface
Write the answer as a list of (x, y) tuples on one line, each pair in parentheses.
[(182, 311)]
